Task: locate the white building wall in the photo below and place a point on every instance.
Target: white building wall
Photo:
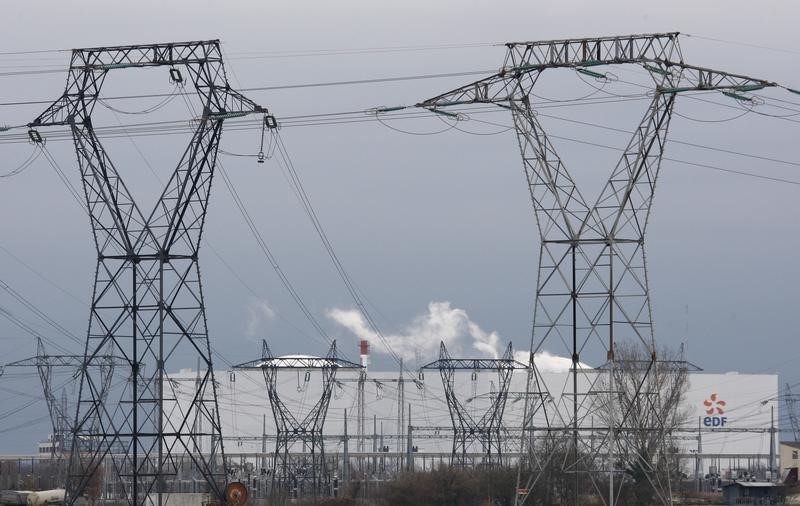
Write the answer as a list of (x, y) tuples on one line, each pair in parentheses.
[(244, 406)]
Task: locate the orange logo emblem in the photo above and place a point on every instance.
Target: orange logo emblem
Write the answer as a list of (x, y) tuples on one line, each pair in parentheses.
[(714, 405)]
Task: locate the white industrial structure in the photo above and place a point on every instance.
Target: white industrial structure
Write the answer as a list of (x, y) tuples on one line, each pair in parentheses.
[(730, 419)]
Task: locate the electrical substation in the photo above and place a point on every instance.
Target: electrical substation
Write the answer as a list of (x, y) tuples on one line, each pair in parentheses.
[(591, 409)]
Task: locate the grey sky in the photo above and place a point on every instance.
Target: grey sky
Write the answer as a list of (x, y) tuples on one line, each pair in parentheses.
[(415, 219)]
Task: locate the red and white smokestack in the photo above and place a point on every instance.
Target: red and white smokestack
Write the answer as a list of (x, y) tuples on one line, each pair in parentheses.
[(363, 348)]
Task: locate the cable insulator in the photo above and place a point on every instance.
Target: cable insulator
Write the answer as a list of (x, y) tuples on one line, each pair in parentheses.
[(35, 136), (268, 123), (656, 70), (591, 73), (175, 75), (743, 98)]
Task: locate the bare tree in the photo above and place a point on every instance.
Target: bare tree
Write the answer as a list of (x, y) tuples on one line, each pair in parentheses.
[(643, 410), (94, 488)]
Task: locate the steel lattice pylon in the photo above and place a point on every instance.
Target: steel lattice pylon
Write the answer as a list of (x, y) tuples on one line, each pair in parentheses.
[(592, 286), (467, 430), (147, 305), (306, 473), (791, 408), (62, 422)]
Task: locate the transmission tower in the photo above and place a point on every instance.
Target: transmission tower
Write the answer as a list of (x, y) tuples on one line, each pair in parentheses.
[(147, 304), (791, 407), (61, 418), (306, 472), (468, 429), (592, 286)]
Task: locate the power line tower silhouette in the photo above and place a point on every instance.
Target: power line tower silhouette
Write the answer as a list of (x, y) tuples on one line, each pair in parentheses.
[(147, 306), (61, 417), (483, 429), (306, 473), (592, 287)]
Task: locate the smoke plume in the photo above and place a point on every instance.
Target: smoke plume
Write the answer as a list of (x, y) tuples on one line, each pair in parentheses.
[(460, 334)]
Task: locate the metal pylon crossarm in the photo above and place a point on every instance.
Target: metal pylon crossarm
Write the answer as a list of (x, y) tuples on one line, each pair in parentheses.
[(147, 304)]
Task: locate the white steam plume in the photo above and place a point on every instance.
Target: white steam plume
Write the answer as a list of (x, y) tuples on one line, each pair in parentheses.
[(547, 362), (423, 334), (442, 323)]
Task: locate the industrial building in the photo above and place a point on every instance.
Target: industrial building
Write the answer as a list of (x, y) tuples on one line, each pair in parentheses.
[(729, 418)]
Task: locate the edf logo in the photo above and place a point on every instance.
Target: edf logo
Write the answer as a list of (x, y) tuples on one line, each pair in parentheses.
[(714, 406)]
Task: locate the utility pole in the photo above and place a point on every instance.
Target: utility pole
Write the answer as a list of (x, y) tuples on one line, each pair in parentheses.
[(409, 445), (772, 444), (698, 463), (345, 454), (362, 379), (264, 441), (374, 443), (401, 417)]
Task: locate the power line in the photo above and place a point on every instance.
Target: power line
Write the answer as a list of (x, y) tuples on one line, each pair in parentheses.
[(34, 51), (732, 171), (38, 312), (677, 141), (283, 87), (300, 192), (685, 162), (30, 330), (64, 179), (351, 51), (177, 127), (31, 72), (270, 256), (206, 242), (261, 242), (24, 165), (739, 43), (356, 116), (307, 52), (168, 127)]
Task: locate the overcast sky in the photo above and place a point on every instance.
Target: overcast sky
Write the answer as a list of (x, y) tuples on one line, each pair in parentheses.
[(437, 230)]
